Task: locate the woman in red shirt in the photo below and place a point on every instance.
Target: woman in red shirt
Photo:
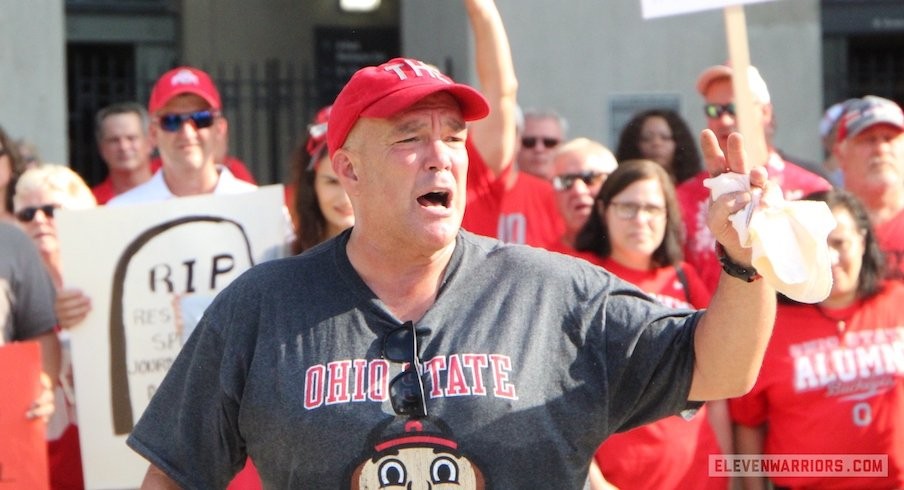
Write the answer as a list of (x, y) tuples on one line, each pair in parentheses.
[(634, 231), (832, 380)]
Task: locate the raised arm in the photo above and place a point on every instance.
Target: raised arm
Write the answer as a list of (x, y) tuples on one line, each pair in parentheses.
[(732, 335), (494, 136)]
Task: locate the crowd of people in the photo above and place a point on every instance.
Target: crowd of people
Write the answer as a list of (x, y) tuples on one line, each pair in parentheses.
[(475, 297)]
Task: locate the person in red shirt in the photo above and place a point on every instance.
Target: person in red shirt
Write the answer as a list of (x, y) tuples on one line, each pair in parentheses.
[(634, 231), (870, 152), (503, 202), (715, 85), (832, 381), (122, 140)]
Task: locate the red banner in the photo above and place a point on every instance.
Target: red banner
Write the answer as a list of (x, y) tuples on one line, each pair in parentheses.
[(23, 448)]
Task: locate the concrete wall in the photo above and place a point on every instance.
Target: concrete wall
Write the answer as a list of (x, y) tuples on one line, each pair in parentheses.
[(238, 31), (582, 55), (32, 75)]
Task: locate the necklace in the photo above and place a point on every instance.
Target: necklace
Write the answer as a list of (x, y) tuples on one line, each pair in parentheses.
[(841, 316)]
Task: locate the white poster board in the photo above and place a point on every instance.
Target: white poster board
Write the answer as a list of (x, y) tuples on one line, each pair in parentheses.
[(663, 8), (141, 265)]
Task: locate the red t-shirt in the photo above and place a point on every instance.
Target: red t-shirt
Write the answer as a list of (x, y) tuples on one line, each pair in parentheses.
[(693, 198), (672, 452), (890, 236), (526, 213), (824, 389)]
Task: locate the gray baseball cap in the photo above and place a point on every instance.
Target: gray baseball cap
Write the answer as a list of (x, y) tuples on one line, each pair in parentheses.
[(867, 112)]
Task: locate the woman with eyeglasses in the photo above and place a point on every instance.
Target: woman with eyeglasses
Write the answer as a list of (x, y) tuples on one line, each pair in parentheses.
[(832, 380), (320, 207), (40, 192), (663, 136), (10, 167), (634, 231)]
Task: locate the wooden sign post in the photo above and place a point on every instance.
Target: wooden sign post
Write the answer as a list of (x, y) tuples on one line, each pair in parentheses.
[(748, 112)]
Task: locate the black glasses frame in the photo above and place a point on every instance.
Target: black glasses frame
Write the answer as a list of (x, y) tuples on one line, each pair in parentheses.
[(715, 111), (172, 123), (531, 141), (26, 215), (406, 390)]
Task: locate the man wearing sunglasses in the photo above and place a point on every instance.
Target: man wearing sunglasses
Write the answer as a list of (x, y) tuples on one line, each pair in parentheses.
[(715, 86), (529, 358), (187, 127), (541, 132), (581, 166)]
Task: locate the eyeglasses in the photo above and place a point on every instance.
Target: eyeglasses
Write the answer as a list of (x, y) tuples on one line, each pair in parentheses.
[(406, 390), (566, 181), (173, 122), (26, 215), (531, 141), (715, 111), (629, 210)]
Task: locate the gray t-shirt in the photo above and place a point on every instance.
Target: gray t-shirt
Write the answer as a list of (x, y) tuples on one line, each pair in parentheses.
[(26, 291), (530, 360)]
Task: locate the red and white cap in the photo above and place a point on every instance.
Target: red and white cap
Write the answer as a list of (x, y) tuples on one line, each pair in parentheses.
[(385, 90), (757, 85), (861, 114), (183, 80)]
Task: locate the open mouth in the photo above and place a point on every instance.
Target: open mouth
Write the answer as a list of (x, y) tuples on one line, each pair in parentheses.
[(439, 198)]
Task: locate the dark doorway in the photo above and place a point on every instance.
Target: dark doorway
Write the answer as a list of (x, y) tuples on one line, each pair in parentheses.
[(97, 75)]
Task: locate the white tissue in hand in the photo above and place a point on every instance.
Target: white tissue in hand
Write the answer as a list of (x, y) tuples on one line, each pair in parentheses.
[(788, 239)]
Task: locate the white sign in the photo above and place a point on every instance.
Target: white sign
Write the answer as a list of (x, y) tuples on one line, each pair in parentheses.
[(663, 8), (149, 268)]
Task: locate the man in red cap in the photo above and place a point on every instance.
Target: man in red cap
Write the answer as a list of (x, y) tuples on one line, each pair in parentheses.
[(187, 127), (406, 316), (870, 152)]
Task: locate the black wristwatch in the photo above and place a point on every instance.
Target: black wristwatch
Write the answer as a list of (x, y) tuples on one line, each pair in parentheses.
[(734, 269)]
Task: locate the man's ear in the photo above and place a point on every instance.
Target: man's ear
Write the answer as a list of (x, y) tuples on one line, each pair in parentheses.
[(343, 163)]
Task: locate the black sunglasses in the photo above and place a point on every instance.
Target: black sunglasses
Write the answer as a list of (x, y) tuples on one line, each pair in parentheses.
[(28, 214), (714, 111), (406, 390), (531, 141), (173, 122), (566, 181)]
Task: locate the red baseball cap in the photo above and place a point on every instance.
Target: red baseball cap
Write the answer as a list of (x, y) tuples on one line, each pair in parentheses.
[(183, 80), (861, 114), (385, 90)]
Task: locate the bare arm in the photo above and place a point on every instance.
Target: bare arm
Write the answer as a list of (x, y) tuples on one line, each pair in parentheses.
[(493, 136), (732, 335), (50, 355), (156, 479), (719, 419), (749, 440)]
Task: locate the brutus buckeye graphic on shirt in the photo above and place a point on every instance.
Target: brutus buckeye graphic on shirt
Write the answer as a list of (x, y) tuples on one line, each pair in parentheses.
[(414, 454)]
